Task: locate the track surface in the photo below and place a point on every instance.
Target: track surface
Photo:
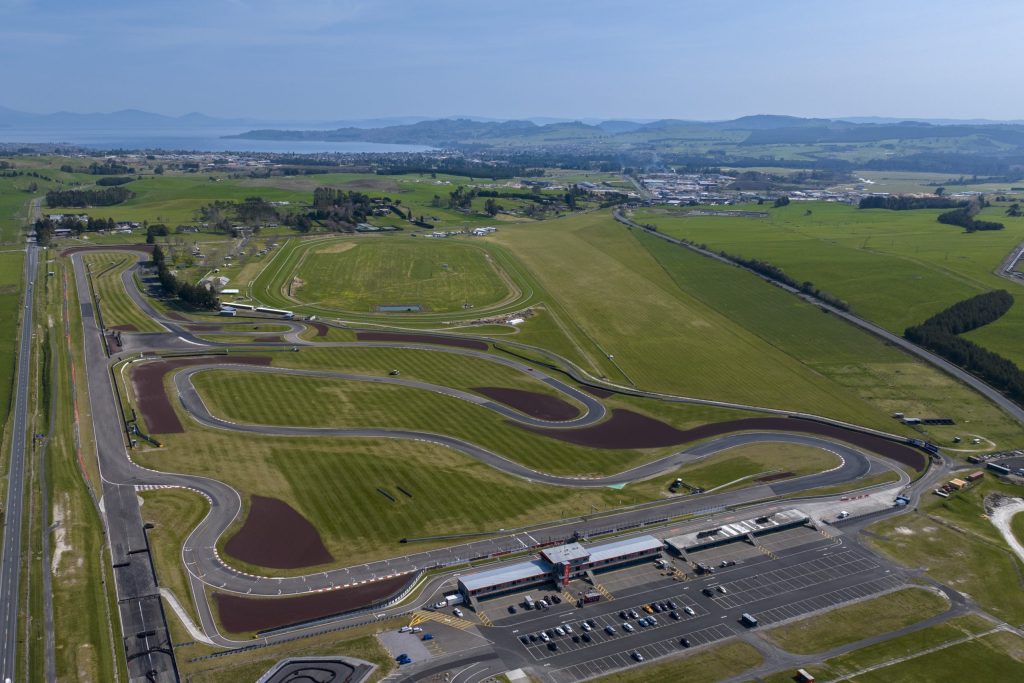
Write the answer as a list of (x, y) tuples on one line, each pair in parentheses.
[(10, 565), (141, 614)]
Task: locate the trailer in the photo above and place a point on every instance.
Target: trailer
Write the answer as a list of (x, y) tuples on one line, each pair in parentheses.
[(240, 306), (590, 597)]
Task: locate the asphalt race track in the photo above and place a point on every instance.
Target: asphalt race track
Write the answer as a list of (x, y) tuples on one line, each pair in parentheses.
[(145, 631)]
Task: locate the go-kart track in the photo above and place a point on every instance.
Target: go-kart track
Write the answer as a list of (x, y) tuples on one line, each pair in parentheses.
[(577, 416)]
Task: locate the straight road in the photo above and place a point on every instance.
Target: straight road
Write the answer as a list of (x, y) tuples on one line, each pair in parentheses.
[(10, 564)]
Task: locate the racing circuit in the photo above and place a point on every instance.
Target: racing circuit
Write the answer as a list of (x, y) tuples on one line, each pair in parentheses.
[(576, 415)]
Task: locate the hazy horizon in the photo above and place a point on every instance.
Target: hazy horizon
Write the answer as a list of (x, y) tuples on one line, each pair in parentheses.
[(325, 60)]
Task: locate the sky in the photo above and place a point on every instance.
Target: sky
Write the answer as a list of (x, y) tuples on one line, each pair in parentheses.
[(349, 59)]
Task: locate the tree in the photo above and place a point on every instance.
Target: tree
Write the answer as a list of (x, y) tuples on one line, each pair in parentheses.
[(491, 207), (159, 170), (939, 191), (781, 201), (1014, 210)]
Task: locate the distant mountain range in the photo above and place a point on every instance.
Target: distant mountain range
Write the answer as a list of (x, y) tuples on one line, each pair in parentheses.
[(746, 131), (135, 118)]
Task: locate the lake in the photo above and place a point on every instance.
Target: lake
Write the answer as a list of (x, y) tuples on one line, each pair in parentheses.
[(195, 139)]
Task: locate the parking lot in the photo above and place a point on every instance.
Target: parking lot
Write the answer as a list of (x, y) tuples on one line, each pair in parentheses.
[(805, 571), (625, 658), (539, 649)]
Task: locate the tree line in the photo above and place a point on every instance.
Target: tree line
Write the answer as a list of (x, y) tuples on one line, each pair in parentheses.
[(965, 219), (81, 198), (773, 272), (45, 227), (901, 202), (194, 295), (939, 334)]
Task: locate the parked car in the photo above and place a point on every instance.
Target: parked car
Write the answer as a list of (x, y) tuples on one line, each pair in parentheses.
[(586, 638), (512, 609), (525, 640), (592, 623), (674, 615), (623, 614), (637, 656), (575, 639), (552, 646), (672, 605), (585, 626), (457, 612), (559, 630), (633, 614), (685, 642), (610, 630), (627, 627), (545, 637), (689, 610)]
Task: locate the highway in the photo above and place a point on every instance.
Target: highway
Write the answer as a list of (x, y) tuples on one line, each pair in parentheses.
[(10, 564)]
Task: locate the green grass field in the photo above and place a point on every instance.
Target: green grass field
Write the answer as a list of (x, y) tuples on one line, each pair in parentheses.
[(855, 622), (945, 633), (896, 268), (174, 513), (118, 309), (946, 535), (437, 274), (703, 666), (451, 492), (999, 656), (12, 267), (14, 201), (260, 398), (1017, 524)]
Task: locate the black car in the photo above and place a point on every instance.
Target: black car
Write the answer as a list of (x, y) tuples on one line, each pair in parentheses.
[(533, 637), (708, 592), (575, 639), (586, 638), (526, 639), (656, 607), (685, 642), (623, 615), (552, 646), (593, 624), (672, 605), (551, 632), (511, 609), (556, 600), (674, 615)]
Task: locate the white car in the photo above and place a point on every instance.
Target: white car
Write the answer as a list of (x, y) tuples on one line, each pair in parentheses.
[(559, 630), (568, 629), (544, 637), (637, 656), (585, 626), (689, 610), (457, 612), (628, 627)]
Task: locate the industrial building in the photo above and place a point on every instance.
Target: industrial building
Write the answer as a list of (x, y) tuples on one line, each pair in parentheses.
[(558, 565)]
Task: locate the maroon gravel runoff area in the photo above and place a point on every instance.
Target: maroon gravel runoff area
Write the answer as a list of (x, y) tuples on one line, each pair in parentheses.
[(240, 614), (626, 429), (421, 339), (270, 339), (540, 406), (321, 329), (154, 405), (275, 535), (597, 391), (127, 327), (174, 315)]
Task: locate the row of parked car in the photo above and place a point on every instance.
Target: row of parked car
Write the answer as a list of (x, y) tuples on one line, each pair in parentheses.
[(548, 636)]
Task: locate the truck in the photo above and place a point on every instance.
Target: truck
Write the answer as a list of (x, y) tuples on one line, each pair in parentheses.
[(454, 599), (591, 596), (528, 603), (748, 620)]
